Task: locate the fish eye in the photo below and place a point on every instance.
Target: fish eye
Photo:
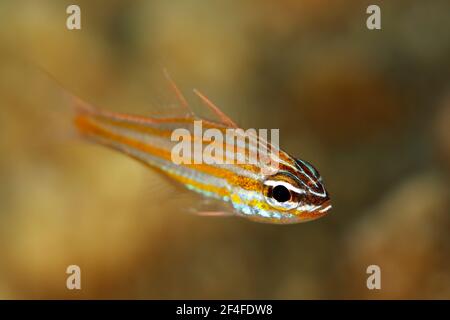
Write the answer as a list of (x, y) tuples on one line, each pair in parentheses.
[(281, 193)]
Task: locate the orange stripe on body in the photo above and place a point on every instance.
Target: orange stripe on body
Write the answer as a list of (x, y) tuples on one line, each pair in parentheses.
[(85, 125), (167, 134)]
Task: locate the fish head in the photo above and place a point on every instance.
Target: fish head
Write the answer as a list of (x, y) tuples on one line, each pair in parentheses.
[(296, 192)]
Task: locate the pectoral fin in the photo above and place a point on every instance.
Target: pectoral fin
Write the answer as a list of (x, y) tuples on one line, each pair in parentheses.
[(211, 208), (215, 214)]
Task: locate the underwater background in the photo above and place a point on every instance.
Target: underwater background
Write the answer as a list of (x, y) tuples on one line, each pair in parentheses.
[(369, 108)]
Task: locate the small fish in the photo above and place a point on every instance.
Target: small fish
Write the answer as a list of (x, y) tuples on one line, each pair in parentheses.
[(293, 192)]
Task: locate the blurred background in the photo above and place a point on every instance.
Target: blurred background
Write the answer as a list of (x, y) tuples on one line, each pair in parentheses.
[(371, 109)]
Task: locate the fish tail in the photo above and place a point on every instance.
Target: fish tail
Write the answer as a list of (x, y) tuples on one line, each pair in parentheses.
[(120, 132), (84, 117), (85, 125)]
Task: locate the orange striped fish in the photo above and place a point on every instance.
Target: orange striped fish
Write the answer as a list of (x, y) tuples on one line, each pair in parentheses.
[(291, 193)]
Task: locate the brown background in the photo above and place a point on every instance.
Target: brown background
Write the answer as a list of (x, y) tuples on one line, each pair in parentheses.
[(371, 109)]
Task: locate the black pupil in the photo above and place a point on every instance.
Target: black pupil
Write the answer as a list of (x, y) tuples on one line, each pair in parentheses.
[(281, 194)]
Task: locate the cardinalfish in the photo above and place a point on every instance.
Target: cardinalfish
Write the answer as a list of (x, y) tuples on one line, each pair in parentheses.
[(283, 190)]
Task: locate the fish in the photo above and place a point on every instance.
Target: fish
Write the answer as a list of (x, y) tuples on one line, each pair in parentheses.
[(284, 190)]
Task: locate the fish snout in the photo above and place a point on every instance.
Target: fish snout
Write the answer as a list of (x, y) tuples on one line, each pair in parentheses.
[(325, 206)]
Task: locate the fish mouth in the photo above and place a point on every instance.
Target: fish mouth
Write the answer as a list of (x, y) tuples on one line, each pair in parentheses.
[(324, 207)]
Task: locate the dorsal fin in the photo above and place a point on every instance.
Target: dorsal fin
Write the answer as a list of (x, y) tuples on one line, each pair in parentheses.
[(180, 97), (223, 117)]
